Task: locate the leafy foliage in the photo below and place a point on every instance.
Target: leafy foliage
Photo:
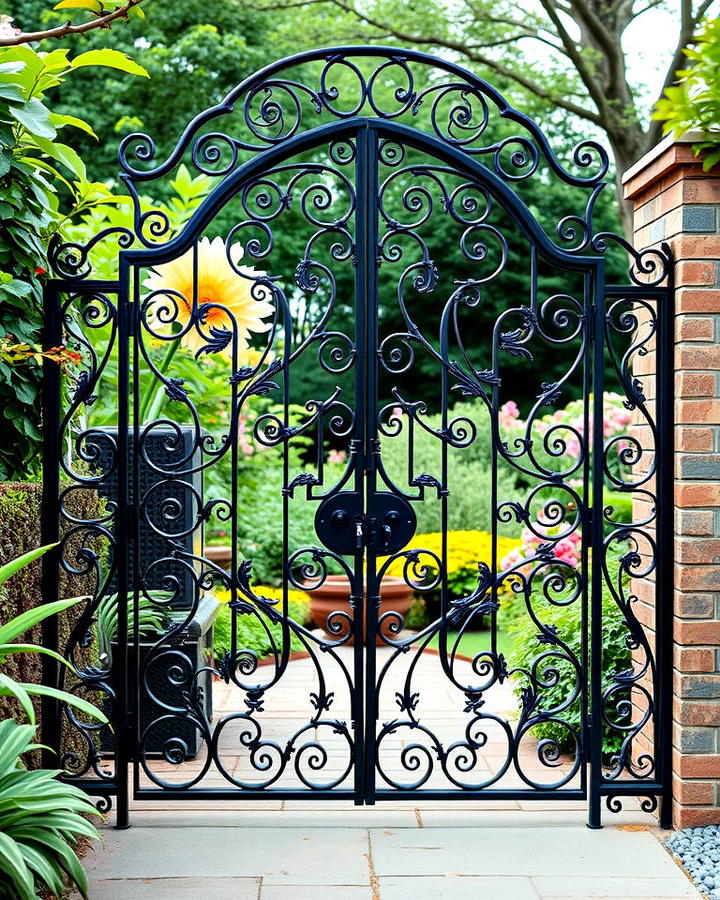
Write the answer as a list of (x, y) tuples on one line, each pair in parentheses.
[(40, 819), (35, 166), (527, 646), (252, 633), (693, 103)]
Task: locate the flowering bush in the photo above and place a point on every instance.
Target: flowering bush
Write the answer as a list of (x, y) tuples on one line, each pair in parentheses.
[(466, 549), (567, 549), (616, 419)]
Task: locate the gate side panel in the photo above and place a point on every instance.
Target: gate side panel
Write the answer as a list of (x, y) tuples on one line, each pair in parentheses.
[(81, 462), (637, 548)]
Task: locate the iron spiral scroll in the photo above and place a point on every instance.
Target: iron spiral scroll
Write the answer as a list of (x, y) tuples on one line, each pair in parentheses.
[(345, 164)]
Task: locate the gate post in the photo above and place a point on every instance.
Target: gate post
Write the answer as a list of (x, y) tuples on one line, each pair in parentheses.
[(675, 201)]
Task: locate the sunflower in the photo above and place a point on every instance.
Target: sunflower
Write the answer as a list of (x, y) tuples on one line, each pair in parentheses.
[(221, 293)]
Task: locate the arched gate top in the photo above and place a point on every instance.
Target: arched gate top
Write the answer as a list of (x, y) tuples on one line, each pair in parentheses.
[(294, 102)]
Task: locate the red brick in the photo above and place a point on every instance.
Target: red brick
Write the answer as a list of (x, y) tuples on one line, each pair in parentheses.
[(697, 550), (694, 439), (694, 793), (694, 817), (701, 190), (698, 713), (698, 578), (701, 659), (698, 632), (695, 522), (700, 412), (700, 357), (690, 272), (697, 246), (690, 765), (705, 494), (690, 301), (694, 606), (695, 384)]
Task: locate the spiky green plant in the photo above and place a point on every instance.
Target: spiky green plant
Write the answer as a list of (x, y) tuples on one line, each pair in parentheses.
[(41, 819), (15, 627)]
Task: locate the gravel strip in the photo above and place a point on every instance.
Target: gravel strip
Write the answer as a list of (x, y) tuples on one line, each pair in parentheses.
[(698, 850)]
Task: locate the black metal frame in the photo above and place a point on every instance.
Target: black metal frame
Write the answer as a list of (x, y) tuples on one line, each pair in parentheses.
[(366, 145)]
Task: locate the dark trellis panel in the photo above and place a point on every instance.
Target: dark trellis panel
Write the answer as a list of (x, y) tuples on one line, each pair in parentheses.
[(372, 145)]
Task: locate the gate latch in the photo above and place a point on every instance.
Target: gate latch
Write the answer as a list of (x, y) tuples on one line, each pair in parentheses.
[(343, 527)]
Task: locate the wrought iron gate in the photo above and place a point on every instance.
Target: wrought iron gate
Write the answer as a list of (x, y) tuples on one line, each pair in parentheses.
[(400, 188)]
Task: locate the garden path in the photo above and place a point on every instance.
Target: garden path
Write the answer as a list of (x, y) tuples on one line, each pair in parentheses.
[(325, 850)]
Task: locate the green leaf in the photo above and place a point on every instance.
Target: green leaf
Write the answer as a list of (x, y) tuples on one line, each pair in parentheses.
[(64, 154), (14, 866), (11, 92), (60, 120), (31, 617), (7, 649), (11, 688), (92, 5), (44, 690), (9, 569), (113, 59), (34, 116)]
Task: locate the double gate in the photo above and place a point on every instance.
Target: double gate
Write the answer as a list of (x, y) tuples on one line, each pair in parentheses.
[(349, 355)]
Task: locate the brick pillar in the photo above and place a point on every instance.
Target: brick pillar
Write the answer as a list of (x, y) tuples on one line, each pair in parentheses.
[(675, 201)]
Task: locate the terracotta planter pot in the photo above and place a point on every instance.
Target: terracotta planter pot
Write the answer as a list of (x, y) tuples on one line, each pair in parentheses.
[(221, 555), (334, 595)]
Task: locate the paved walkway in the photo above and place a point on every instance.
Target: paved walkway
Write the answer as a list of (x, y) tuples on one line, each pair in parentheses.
[(320, 850), (316, 852)]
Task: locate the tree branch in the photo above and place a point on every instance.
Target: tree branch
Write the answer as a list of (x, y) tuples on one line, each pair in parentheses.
[(59, 31), (573, 53), (458, 47)]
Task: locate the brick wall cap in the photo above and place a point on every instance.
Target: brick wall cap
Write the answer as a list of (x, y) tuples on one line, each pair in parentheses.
[(690, 137), (665, 156)]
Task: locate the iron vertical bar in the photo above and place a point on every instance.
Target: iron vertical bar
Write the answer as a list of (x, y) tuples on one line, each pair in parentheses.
[(120, 665), (368, 279), (359, 449), (133, 674), (665, 376), (50, 518), (596, 532), (587, 375)]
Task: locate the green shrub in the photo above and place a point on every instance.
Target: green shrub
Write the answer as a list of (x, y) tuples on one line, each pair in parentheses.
[(20, 517), (527, 646), (693, 102), (469, 475), (39, 175), (251, 633)]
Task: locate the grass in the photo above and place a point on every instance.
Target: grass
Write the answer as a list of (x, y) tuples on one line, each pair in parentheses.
[(473, 642)]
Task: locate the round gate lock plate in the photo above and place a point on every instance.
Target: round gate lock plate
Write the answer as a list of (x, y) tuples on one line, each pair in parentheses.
[(337, 520)]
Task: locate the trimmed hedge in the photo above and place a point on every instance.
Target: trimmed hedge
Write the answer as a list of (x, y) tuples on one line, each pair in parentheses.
[(20, 522)]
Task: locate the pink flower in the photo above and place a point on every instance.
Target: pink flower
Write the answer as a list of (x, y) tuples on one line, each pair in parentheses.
[(513, 557), (337, 456), (508, 414)]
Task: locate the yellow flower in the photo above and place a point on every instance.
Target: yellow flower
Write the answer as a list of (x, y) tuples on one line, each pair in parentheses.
[(465, 549), (222, 296), (262, 590)]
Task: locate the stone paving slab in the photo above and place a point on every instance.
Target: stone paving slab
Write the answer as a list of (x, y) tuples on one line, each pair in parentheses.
[(344, 854), (177, 888), (633, 888), (301, 856), (562, 851), (454, 887)]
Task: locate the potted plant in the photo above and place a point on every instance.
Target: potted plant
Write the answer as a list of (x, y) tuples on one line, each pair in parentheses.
[(334, 595)]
